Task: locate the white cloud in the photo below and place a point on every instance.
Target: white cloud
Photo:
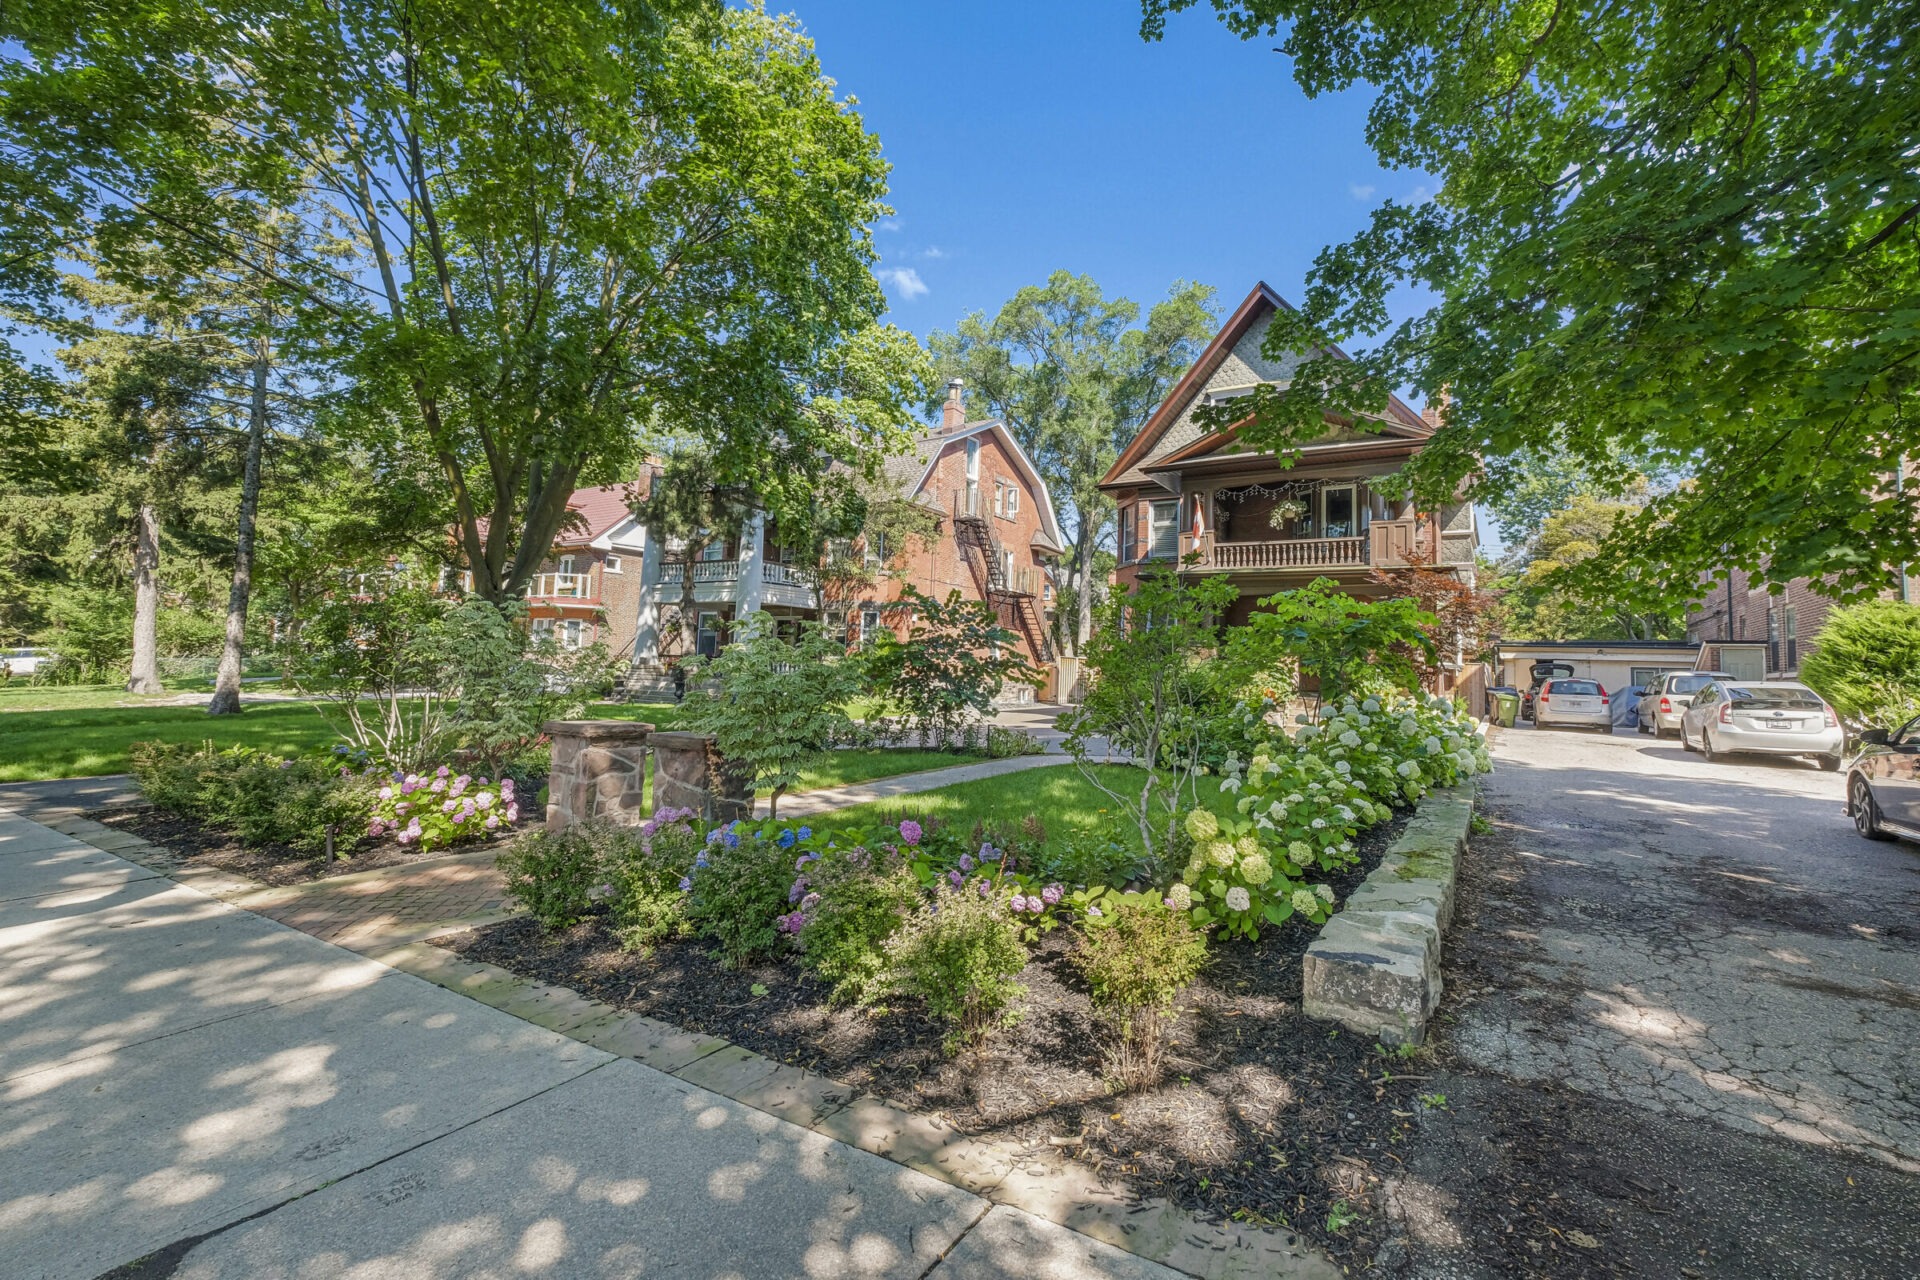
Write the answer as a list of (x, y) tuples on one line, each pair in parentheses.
[(887, 224), (1360, 190), (905, 280), (933, 251)]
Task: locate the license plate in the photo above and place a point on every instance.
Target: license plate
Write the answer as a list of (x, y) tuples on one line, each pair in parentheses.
[(1781, 724), (1579, 704)]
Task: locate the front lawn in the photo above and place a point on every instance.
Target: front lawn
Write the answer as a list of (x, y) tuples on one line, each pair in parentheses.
[(864, 764), (1058, 795), (79, 741)]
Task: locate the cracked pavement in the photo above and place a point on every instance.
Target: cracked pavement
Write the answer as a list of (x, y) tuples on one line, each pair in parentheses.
[(1681, 1024)]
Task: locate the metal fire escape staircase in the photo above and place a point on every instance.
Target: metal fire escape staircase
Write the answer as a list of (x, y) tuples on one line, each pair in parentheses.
[(982, 549)]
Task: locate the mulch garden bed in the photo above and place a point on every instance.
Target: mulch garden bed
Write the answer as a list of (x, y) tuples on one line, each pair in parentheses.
[(192, 843), (1264, 1115)]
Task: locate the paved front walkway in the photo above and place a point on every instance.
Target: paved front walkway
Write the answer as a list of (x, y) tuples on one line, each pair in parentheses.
[(389, 904), (826, 799), (205, 1088)]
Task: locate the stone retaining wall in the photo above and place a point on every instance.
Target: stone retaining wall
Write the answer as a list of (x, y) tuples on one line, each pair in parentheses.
[(1375, 967)]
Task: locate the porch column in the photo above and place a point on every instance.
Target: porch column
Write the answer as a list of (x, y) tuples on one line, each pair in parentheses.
[(751, 587)]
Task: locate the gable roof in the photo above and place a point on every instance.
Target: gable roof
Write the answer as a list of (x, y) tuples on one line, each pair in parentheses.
[(594, 513), (907, 472), (1254, 309)]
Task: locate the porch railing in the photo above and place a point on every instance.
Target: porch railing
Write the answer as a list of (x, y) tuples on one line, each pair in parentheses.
[(703, 571), (785, 575), (1290, 553), (561, 586)]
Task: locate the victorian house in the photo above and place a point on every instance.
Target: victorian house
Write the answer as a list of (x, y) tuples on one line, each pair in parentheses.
[(1194, 499)]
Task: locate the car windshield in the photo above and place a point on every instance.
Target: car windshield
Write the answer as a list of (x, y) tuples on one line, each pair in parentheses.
[(1690, 684), (1769, 699), (1577, 688)]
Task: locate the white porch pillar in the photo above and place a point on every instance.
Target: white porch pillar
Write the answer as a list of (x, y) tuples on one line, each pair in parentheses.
[(751, 587)]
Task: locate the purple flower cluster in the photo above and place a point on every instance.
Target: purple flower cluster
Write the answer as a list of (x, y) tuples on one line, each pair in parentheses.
[(910, 832)]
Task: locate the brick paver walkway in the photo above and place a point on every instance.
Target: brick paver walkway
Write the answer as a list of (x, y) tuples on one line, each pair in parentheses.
[(378, 908)]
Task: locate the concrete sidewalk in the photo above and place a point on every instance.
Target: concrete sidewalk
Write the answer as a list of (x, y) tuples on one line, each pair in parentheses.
[(228, 1097)]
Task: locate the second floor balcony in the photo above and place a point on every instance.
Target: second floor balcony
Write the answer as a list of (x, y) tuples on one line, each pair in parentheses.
[(1385, 544), (564, 587)]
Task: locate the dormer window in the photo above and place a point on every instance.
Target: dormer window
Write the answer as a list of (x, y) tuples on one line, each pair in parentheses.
[(1220, 395)]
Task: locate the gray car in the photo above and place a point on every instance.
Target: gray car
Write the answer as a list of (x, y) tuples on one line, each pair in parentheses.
[(1764, 717), (1665, 699)]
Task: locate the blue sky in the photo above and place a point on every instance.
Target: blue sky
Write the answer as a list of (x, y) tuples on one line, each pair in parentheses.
[(1034, 136)]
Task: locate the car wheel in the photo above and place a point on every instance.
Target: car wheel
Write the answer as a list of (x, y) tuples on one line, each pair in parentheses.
[(1830, 764), (1686, 743), (1866, 814), (1707, 752), (1657, 732)]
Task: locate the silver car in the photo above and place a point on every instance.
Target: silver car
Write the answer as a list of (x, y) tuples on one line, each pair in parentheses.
[(1665, 700), (1579, 704), (1771, 717)]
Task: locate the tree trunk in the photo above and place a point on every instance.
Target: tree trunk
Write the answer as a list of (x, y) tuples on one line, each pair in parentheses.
[(689, 623), (145, 675), (1083, 555), (226, 687)]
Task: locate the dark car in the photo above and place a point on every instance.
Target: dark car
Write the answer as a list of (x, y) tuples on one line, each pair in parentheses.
[(1883, 783)]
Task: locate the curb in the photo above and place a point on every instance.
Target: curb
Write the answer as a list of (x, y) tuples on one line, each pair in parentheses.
[(1375, 968)]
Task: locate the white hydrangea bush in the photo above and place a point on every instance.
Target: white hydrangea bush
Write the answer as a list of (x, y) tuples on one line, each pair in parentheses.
[(1304, 797)]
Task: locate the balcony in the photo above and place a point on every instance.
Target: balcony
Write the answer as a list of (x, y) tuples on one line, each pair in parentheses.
[(785, 575), (563, 588), (1387, 544), (703, 571)]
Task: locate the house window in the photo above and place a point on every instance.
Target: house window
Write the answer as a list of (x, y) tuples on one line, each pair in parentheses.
[(1127, 545), (869, 625), (876, 548), (1164, 531), (973, 460), (1339, 518), (706, 638), (572, 634), (1013, 501), (715, 549), (613, 564), (1792, 617), (542, 630), (999, 498), (1773, 638)]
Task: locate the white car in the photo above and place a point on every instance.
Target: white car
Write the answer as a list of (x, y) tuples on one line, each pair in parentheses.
[(1766, 717), (1577, 704)]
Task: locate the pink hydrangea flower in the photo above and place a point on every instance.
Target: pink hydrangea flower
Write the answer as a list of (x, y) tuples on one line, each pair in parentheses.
[(910, 832)]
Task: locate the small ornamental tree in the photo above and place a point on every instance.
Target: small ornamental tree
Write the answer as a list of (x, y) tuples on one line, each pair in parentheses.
[(955, 660), (778, 703), (1866, 662), (1463, 614), (1148, 695), (1350, 645)]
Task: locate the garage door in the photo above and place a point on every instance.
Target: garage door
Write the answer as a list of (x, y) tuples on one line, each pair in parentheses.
[(1744, 664)]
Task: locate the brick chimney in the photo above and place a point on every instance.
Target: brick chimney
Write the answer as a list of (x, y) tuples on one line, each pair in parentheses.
[(953, 414), (1437, 408)]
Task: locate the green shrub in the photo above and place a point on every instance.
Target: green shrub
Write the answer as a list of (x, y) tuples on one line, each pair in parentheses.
[(860, 906), (737, 888), (960, 955), (557, 877), (1136, 960), (1867, 663), (647, 869), (262, 799)]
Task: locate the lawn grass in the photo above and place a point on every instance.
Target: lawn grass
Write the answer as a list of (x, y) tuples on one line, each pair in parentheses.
[(19, 695), (862, 764), (1058, 795), (79, 741)]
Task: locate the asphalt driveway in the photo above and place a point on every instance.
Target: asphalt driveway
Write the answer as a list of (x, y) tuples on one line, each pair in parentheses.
[(1682, 1026)]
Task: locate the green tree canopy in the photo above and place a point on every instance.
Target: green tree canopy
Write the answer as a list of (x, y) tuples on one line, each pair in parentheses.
[(1539, 605), (1691, 232), (572, 218), (1074, 375)]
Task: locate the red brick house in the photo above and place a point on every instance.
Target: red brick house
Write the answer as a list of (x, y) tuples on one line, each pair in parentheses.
[(1185, 490), (587, 590), (1746, 630), (996, 539)]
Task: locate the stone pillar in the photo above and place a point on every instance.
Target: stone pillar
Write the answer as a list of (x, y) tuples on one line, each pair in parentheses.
[(685, 767), (599, 771)]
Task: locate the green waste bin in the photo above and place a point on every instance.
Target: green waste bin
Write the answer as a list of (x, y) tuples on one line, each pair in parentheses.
[(1506, 709)]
